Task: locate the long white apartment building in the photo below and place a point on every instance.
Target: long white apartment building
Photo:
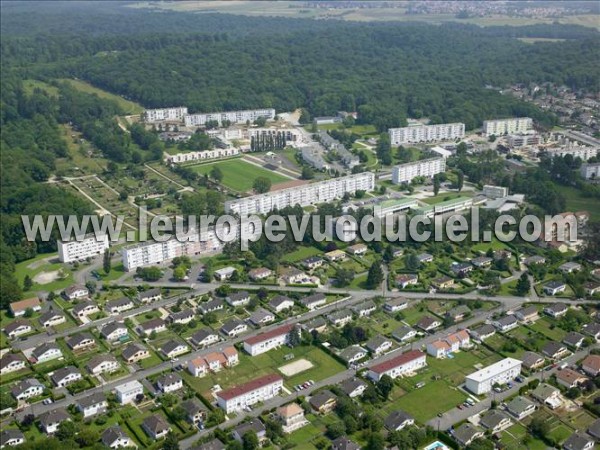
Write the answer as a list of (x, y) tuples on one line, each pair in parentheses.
[(77, 250), (204, 155), (196, 120), (512, 125), (269, 340), (491, 191), (413, 134), (165, 114), (309, 194), (577, 151), (501, 372), (240, 397), (405, 173)]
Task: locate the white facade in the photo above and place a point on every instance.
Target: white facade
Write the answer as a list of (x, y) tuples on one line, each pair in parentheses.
[(127, 392), (89, 246), (589, 171), (264, 342), (577, 151), (507, 126), (241, 397), (195, 120), (164, 114), (310, 194), (426, 133), (404, 364), (501, 372), (405, 173), (495, 191), (216, 153)]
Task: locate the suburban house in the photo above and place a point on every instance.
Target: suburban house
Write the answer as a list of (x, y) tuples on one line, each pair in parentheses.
[(378, 344), (92, 405), (353, 387), (19, 308), (253, 425), (51, 319), (506, 323), (237, 299), (443, 282), (11, 437), (291, 417), (554, 287), (134, 352), (149, 296), (313, 301), (520, 407), (156, 426), (81, 341), (482, 332), (119, 305), (428, 323), (204, 337), (532, 360), (46, 352), (527, 314), (574, 339), (343, 443), (75, 292), (569, 378), (357, 249), (234, 327), (169, 382), (101, 364), (579, 441), (591, 288), (424, 258), (323, 401), (258, 390), (495, 421), (467, 433), (280, 303), (594, 429), (405, 364), (591, 365), (353, 354), (214, 305), (340, 318), (533, 260), (458, 313), (195, 411), (83, 309), (548, 395), (128, 392), (259, 274), (157, 325), (365, 309), (398, 420), (404, 333), (554, 350), (65, 375), (115, 437), (482, 262), (261, 317), (314, 262), (406, 279), (17, 328), (318, 325), (263, 342), (396, 304), (461, 270), (114, 331), (335, 256), (225, 273), (172, 349), (182, 317), (569, 267), (556, 310), (11, 362), (291, 275), (27, 388), (592, 329), (49, 421)]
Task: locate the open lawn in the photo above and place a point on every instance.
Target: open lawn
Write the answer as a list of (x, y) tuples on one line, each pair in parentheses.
[(512, 438), (46, 272), (545, 327), (127, 106), (30, 85), (301, 253), (445, 196), (239, 175), (577, 202)]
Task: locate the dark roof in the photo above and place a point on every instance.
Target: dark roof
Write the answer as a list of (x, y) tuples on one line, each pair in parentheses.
[(530, 358), (149, 293), (193, 406), (123, 301), (236, 296), (351, 384), (23, 385), (91, 400), (9, 358), (396, 418), (169, 346), (231, 325), (202, 334), (278, 300), (313, 299), (156, 423), (169, 378), (132, 349), (577, 441), (573, 338), (215, 444), (16, 324), (76, 339), (10, 434), (61, 373), (492, 418), (252, 425), (55, 416), (83, 305), (551, 348), (49, 315), (343, 443), (40, 350), (556, 307), (111, 327), (113, 433), (153, 323), (321, 398), (466, 432)]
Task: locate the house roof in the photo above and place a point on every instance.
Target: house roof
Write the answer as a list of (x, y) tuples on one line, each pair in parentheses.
[(527, 311), (554, 284), (369, 304), (171, 345), (484, 330), (153, 324), (351, 384), (507, 320), (569, 376), (49, 315), (279, 300), (321, 398), (10, 358), (351, 352), (544, 391), (10, 434), (237, 296), (169, 379), (343, 443), (376, 341), (110, 328), (25, 384), (149, 293), (110, 435), (396, 301), (15, 325), (74, 288), (339, 315), (573, 338), (60, 374), (577, 441), (252, 425), (427, 322), (556, 307), (267, 335), (492, 418), (123, 301), (552, 348), (81, 306), (592, 329), (289, 410), (22, 305), (260, 315), (519, 405), (78, 338), (231, 324), (132, 349), (193, 406), (39, 351), (97, 360), (202, 334), (530, 359), (215, 444), (156, 424), (592, 361), (54, 416), (396, 419), (250, 386), (466, 432), (397, 361), (92, 400), (319, 297), (594, 428)]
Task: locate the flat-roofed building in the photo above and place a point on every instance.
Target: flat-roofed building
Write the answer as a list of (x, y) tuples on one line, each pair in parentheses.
[(88, 246), (414, 134), (427, 168), (502, 372)]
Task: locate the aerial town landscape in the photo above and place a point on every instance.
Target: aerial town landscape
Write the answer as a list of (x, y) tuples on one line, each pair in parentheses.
[(483, 114)]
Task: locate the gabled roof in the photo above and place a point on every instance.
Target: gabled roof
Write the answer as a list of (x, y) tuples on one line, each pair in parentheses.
[(111, 327), (262, 337), (252, 425), (193, 406), (343, 443), (492, 418), (202, 334), (15, 325), (577, 441), (55, 416), (60, 374), (78, 338), (132, 349), (110, 435), (318, 400), (573, 338), (9, 435), (40, 350), (250, 386), (92, 400), (156, 424), (231, 324), (351, 384), (397, 419), (171, 345)]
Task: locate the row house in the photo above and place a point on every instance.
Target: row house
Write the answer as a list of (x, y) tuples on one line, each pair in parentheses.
[(213, 362)]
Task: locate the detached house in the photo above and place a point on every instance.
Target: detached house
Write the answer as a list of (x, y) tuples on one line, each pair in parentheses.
[(102, 364), (365, 309), (592, 329), (11, 437), (119, 305), (520, 407), (323, 402), (149, 296), (291, 417), (46, 352), (51, 319), (353, 354), (237, 299), (314, 301), (134, 352), (115, 437), (171, 349), (280, 303), (458, 313), (314, 262), (527, 314), (556, 310), (75, 292), (156, 427), (396, 304), (554, 287), (378, 344), (404, 333), (406, 279), (467, 433), (82, 310), (261, 317), (152, 326), (114, 331), (398, 420), (506, 323), (495, 421), (28, 388), (92, 405), (532, 361), (169, 382), (81, 341), (262, 273), (19, 308), (50, 420), (340, 318), (66, 375), (482, 332), (11, 362), (204, 337), (554, 350), (428, 323), (234, 327), (212, 306), (570, 378), (353, 387), (182, 317), (591, 365), (17, 328), (574, 339), (195, 411), (128, 392)]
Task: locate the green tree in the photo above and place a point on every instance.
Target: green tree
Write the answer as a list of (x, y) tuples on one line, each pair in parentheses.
[(27, 283), (216, 174), (307, 173), (179, 273), (106, 261), (343, 277), (375, 275), (385, 385), (171, 442), (375, 442), (250, 440), (66, 430), (523, 285), (261, 185), (460, 180), (436, 184)]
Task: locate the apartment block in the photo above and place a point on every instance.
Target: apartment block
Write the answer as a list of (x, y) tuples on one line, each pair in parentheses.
[(165, 114), (78, 250), (482, 381), (250, 393), (269, 340), (513, 125), (204, 155), (309, 194), (414, 134), (196, 120), (405, 173)]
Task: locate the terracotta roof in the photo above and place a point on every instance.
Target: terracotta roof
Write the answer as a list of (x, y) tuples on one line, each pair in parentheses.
[(229, 351), (262, 337), (398, 361), (24, 304), (289, 410), (592, 361), (249, 386)]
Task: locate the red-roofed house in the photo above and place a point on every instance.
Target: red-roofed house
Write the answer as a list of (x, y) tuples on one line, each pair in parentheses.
[(404, 364), (268, 340), (591, 365), (247, 394)]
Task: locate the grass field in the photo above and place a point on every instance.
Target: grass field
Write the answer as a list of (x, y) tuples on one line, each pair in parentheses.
[(127, 106), (301, 253), (577, 202), (30, 85), (239, 175), (38, 266)]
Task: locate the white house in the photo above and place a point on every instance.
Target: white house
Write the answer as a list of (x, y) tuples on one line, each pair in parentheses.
[(92, 405), (102, 364), (66, 375), (11, 362), (172, 349), (169, 382), (46, 352), (115, 437), (127, 392), (28, 388)]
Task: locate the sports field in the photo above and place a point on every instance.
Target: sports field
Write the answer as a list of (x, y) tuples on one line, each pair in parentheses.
[(239, 175)]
